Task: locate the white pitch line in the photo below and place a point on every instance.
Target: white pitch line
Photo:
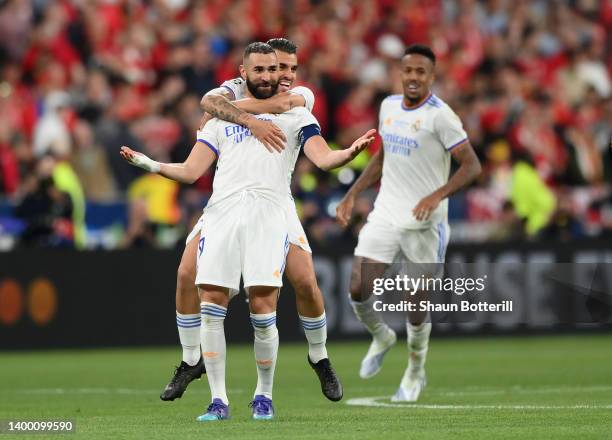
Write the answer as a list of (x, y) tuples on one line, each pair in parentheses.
[(86, 391), (373, 402), (512, 389), (524, 390)]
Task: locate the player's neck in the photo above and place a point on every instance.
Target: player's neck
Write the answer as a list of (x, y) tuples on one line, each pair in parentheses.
[(409, 104)]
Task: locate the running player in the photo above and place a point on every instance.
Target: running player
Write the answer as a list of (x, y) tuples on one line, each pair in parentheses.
[(246, 182), (420, 134)]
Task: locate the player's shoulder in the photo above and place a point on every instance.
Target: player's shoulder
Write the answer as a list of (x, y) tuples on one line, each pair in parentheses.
[(235, 82), (393, 99), (437, 105), (235, 86), (440, 109), (301, 89)]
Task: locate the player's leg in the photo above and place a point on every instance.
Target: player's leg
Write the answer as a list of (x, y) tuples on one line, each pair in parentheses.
[(214, 302), (264, 247), (426, 250), (187, 322), (262, 306), (383, 337), (218, 277), (309, 301), (376, 249)]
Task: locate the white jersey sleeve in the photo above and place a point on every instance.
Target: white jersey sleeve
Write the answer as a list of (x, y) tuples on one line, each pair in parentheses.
[(304, 119), (209, 135), (237, 87), (448, 128), (307, 94)]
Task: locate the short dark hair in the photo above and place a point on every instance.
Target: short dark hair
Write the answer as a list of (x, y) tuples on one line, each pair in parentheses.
[(421, 49), (283, 45), (257, 47)]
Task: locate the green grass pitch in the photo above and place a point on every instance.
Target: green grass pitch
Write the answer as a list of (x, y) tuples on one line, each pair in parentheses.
[(493, 388)]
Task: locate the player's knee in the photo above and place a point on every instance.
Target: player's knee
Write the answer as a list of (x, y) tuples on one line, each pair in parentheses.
[(355, 289), (185, 278), (306, 287)]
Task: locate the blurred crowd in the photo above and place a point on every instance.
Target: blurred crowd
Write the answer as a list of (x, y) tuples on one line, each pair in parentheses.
[(80, 78)]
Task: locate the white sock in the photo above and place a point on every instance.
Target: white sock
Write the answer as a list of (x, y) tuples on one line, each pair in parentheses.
[(189, 335), (364, 310), (315, 330), (266, 351), (418, 343), (213, 348)]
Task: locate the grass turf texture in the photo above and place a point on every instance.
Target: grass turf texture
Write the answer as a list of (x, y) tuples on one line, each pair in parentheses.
[(485, 388)]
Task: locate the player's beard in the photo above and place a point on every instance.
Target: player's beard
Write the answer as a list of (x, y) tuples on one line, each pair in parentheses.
[(261, 94), (415, 98)]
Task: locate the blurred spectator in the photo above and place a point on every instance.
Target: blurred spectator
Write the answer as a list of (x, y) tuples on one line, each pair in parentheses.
[(529, 79), (91, 166), (51, 134), (45, 210), (160, 197), (9, 168), (139, 231), (532, 200), (66, 180)]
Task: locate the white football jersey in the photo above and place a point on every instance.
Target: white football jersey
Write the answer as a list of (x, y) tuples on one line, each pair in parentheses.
[(417, 144), (238, 87), (245, 164)]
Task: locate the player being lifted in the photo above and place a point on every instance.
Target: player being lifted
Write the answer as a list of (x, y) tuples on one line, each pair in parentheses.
[(244, 229), (420, 133), (300, 269)]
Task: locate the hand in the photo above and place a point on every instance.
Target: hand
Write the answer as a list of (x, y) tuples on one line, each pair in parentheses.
[(268, 134), (139, 160), (344, 210), (422, 211), (362, 143)]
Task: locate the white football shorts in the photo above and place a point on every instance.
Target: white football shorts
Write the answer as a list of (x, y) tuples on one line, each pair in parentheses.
[(383, 242), (297, 236), (242, 235)]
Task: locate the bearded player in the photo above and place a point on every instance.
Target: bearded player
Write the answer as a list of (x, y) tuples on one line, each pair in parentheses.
[(189, 171)]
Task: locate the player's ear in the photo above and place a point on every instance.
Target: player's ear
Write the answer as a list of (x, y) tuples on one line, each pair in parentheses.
[(243, 72)]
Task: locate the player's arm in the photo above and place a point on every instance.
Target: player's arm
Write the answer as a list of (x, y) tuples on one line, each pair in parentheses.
[(279, 103), (370, 175), (317, 150), (219, 106), (199, 160), (469, 169)]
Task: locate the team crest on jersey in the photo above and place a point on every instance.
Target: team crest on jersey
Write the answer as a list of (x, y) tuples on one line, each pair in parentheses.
[(415, 126)]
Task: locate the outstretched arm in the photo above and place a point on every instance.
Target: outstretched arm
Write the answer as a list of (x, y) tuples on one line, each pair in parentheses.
[(370, 175), (322, 156), (265, 131), (199, 160), (469, 169)]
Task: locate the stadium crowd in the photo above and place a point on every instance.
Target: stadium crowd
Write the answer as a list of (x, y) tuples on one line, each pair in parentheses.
[(80, 78)]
